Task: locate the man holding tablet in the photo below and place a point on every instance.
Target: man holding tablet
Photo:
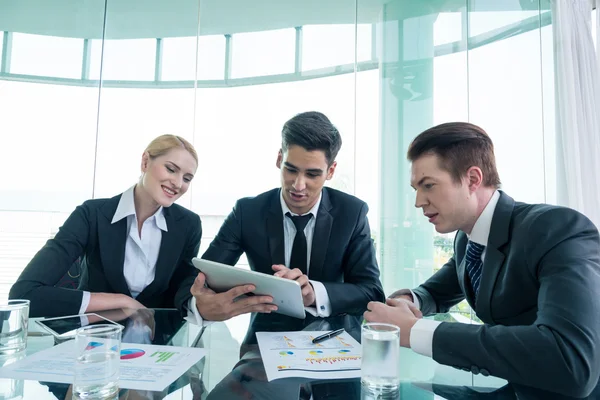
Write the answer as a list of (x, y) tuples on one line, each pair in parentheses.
[(303, 231)]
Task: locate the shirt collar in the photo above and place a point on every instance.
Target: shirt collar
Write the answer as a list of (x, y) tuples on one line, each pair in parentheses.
[(481, 229), (312, 211), (126, 208)]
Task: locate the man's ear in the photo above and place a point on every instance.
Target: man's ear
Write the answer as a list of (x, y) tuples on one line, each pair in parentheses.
[(331, 170), (475, 178), (145, 161), (279, 159)]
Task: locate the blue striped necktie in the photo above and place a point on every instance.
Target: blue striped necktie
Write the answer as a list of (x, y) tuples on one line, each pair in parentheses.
[(473, 263)]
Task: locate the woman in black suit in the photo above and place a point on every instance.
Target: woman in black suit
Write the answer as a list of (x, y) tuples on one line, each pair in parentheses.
[(135, 248)]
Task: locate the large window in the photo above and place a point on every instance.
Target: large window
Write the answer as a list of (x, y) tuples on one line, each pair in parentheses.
[(226, 81)]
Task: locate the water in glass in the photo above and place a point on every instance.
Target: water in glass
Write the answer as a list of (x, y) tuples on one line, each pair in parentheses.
[(14, 317), (98, 350), (97, 375), (380, 352)]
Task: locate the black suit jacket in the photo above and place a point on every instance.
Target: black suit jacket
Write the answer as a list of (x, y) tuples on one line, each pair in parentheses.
[(538, 298), (89, 234), (342, 255)]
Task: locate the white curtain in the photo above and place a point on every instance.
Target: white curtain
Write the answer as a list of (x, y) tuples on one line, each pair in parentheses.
[(577, 80)]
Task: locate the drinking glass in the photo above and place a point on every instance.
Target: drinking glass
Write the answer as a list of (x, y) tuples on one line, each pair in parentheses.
[(11, 389), (380, 357), (98, 350), (14, 317)]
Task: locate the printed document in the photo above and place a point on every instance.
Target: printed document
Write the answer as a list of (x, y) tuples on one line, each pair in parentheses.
[(292, 354), (142, 366)]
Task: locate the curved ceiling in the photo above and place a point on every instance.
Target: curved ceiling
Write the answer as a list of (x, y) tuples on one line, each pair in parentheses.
[(128, 19)]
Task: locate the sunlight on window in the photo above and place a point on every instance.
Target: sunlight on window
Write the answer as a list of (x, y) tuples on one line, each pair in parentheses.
[(211, 57), (332, 45), (521, 83), (46, 56), (482, 21), (43, 123), (595, 28), (132, 118), (263, 53), (124, 60), (250, 141), (179, 58), (447, 28)]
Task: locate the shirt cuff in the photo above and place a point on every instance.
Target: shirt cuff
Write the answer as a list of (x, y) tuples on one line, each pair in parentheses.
[(85, 302), (421, 336), (194, 316), (323, 305), (415, 299)]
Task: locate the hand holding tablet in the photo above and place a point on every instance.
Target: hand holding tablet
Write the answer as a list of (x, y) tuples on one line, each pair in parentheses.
[(260, 292)]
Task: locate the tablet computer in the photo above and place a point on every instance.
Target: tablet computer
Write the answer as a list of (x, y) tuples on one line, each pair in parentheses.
[(65, 327), (287, 295)]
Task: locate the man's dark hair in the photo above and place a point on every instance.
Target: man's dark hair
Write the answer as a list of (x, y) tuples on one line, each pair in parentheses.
[(460, 146), (312, 130)]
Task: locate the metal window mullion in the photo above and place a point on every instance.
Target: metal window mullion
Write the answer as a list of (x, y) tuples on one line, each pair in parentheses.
[(228, 53), (85, 63), (158, 60), (373, 41), (298, 55), (6, 52)]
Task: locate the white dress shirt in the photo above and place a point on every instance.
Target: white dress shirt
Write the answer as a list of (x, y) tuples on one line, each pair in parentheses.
[(141, 251), (421, 334), (323, 305)]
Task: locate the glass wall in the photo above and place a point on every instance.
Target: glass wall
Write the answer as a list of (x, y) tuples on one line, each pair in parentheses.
[(85, 85)]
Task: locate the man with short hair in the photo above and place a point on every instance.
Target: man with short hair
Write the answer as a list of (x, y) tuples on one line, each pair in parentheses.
[(303, 231), (531, 272)]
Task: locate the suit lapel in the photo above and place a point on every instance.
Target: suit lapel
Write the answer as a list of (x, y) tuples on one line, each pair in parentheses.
[(494, 257), (320, 239), (275, 231), (171, 246), (112, 239)]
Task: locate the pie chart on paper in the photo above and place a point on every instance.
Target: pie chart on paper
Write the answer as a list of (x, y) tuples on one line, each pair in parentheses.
[(130, 354)]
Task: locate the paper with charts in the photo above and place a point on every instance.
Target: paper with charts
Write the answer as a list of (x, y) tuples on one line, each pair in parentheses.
[(292, 354), (142, 366)]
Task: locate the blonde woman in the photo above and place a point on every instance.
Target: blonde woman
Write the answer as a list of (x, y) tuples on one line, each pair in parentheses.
[(135, 248)]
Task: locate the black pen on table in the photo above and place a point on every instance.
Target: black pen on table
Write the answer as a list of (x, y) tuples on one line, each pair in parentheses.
[(328, 335)]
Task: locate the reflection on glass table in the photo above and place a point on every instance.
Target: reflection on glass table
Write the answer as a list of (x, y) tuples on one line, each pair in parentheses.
[(157, 326), (234, 368)]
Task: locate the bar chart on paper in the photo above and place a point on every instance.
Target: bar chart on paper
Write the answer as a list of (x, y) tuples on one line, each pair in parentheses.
[(163, 356), (292, 354)]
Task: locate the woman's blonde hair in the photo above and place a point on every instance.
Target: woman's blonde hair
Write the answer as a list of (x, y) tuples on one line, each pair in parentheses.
[(164, 143)]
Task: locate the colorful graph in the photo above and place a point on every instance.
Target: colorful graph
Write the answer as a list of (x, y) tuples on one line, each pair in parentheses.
[(163, 356), (92, 345), (286, 353), (332, 360), (288, 341), (130, 354), (342, 342)]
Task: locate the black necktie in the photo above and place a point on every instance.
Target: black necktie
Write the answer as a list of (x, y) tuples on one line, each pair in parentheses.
[(299, 249)]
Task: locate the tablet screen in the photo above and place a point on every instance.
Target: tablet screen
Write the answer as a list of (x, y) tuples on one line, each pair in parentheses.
[(145, 327), (68, 325)]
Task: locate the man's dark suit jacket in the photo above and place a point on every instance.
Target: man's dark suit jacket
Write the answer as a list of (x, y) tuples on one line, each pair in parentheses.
[(342, 255), (88, 233), (538, 298)]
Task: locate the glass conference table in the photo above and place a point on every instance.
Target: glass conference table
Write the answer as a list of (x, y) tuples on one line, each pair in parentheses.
[(233, 368)]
